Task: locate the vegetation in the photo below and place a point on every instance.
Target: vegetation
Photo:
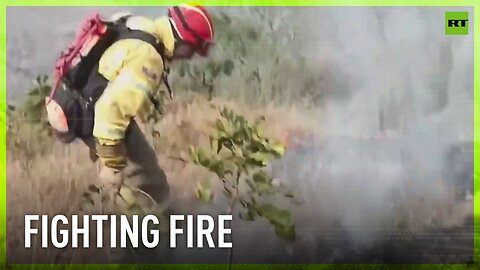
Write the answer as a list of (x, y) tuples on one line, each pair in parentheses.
[(238, 154), (248, 64)]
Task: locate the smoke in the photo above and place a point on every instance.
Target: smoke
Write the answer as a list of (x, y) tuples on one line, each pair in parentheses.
[(392, 171), (396, 151), (395, 154)]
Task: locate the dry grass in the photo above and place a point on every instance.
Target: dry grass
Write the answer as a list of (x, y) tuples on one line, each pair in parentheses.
[(52, 183)]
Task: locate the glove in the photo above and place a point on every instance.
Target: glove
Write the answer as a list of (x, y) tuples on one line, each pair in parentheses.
[(112, 154), (111, 182), (113, 159)]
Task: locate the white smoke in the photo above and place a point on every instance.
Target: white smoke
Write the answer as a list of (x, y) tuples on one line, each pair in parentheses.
[(396, 152), (398, 110)]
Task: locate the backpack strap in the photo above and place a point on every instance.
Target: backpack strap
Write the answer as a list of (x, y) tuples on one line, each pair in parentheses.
[(127, 33), (143, 36)]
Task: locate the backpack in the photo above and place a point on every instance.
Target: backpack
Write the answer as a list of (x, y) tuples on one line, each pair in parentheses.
[(77, 82)]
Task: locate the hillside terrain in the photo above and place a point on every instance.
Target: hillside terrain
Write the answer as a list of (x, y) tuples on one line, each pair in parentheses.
[(374, 106)]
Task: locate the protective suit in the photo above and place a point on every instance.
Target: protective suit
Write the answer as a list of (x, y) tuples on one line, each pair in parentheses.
[(134, 70)]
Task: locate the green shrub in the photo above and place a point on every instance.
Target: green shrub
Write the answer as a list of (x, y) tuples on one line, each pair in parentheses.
[(238, 156)]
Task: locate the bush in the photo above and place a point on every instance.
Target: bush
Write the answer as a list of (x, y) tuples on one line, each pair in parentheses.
[(238, 155)]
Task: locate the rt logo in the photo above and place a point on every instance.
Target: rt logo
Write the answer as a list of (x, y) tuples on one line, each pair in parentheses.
[(456, 23)]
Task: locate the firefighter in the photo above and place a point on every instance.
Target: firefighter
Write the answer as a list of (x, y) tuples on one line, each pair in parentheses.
[(134, 70)]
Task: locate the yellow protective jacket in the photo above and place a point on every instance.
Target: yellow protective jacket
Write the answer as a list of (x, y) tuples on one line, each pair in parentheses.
[(134, 69)]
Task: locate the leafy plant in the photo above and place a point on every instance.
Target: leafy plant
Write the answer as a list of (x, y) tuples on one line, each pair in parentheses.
[(254, 55), (236, 42), (238, 156), (33, 107), (32, 110), (160, 98), (27, 141), (204, 74)]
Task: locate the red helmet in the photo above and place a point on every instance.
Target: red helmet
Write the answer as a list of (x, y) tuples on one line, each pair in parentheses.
[(193, 25)]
